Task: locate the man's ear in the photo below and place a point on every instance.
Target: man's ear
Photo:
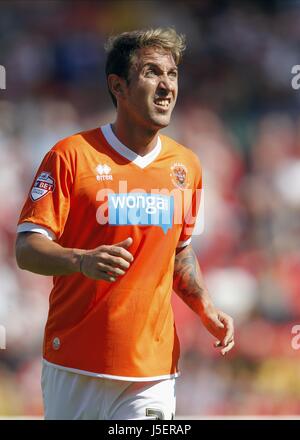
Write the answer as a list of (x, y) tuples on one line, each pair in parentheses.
[(116, 85)]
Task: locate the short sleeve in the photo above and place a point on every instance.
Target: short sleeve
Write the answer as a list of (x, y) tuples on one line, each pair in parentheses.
[(48, 201), (193, 200)]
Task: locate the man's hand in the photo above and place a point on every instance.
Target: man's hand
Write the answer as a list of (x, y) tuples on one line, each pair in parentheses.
[(107, 262), (219, 325), (38, 254)]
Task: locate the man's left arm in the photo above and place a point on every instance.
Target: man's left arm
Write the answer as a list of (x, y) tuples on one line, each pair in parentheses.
[(189, 285)]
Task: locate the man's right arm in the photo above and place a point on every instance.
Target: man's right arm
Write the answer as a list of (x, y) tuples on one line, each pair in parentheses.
[(36, 253)]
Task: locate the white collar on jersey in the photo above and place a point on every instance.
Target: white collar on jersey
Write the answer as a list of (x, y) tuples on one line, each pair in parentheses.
[(141, 161)]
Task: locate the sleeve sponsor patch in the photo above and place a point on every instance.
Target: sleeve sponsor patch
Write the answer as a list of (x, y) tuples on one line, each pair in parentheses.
[(42, 186)]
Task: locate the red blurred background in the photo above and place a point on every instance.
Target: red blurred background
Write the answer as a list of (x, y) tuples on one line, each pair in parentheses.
[(238, 111)]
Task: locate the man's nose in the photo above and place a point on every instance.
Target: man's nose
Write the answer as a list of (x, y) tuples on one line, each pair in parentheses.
[(166, 83)]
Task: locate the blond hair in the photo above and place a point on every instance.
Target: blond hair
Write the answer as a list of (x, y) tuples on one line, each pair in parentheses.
[(122, 48)]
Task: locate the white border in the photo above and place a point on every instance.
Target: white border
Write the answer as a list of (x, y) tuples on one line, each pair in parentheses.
[(116, 144), (33, 227), (182, 244)]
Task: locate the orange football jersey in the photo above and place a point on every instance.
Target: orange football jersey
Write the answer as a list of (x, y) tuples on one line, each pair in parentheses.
[(91, 189)]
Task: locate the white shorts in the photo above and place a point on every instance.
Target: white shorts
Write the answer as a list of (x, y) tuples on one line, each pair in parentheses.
[(71, 396)]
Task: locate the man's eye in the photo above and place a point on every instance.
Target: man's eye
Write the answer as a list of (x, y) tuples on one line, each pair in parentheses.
[(150, 72), (173, 74)]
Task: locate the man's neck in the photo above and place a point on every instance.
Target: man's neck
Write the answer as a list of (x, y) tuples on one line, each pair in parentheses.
[(138, 139)]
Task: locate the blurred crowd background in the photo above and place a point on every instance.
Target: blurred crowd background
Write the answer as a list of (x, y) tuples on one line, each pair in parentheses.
[(238, 111)]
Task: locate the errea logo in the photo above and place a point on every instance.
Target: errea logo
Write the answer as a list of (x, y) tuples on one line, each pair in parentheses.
[(103, 172)]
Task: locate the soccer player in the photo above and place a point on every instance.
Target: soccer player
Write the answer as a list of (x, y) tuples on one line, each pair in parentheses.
[(110, 216)]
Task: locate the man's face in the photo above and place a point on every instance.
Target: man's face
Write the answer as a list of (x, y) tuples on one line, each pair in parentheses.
[(153, 86)]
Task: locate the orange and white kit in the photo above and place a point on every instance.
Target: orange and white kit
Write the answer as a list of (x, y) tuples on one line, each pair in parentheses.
[(92, 190)]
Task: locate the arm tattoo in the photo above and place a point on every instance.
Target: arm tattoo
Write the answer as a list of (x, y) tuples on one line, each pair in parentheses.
[(187, 280)]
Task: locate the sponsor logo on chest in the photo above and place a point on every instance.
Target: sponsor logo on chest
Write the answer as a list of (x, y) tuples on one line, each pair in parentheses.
[(141, 209)]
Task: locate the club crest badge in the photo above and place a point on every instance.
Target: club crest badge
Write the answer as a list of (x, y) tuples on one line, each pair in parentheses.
[(42, 186), (179, 175)]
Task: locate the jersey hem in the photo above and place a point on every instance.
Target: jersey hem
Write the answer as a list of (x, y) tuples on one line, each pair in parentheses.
[(111, 376)]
